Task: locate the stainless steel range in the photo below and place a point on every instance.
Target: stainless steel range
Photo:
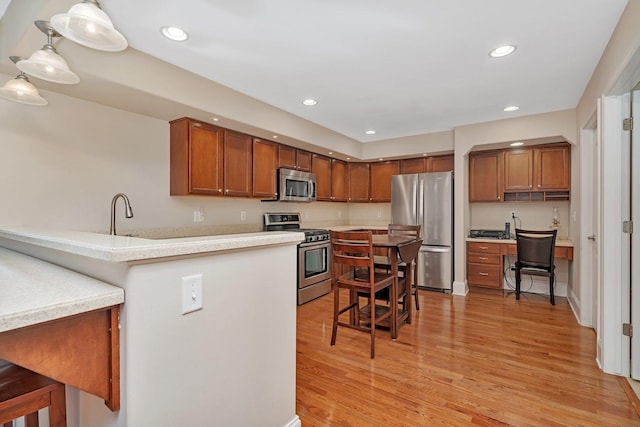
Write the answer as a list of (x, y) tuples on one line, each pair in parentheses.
[(314, 264)]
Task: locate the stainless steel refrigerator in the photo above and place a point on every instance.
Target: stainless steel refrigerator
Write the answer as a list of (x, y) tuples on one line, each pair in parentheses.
[(427, 199)]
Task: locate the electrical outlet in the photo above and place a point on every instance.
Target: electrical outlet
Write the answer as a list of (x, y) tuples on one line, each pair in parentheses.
[(198, 216), (379, 214), (243, 215), (191, 293), (339, 214)]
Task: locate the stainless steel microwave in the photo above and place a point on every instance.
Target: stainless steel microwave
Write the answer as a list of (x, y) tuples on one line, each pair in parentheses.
[(296, 186)]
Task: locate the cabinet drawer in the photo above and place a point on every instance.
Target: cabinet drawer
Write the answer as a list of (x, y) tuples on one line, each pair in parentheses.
[(484, 275), (481, 247), (476, 258)]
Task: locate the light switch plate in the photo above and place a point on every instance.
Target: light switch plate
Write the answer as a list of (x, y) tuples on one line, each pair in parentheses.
[(191, 293)]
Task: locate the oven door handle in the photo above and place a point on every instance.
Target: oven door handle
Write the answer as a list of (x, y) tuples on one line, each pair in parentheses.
[(320, 243)]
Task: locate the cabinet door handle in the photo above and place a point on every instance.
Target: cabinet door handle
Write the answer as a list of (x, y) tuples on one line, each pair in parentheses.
[(484, 248), (483, 274), (484, 258)]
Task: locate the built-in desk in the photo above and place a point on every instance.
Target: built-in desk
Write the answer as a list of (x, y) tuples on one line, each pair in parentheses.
[(61, 324), (485, 259)]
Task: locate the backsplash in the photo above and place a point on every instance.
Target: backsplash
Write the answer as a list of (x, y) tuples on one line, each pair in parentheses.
[(530, 216)]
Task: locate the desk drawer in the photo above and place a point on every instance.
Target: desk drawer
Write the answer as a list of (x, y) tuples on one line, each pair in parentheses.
[(477, 258), (484, 275), (481, 247)]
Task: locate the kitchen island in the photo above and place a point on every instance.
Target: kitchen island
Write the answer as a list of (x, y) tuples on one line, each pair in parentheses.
[(230, 363)]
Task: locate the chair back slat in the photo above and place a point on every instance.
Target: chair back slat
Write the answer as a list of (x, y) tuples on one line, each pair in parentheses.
[(410, 230), (351, 248), (536, 247)]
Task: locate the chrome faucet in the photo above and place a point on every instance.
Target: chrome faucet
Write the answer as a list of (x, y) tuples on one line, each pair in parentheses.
[(128, 212)]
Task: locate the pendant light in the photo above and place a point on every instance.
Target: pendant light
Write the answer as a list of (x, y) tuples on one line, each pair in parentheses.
[(21, 90), (45, 63), (88, 25)]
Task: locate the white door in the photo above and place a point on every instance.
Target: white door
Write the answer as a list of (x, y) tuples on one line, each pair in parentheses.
[(590, 194), (635, 237)]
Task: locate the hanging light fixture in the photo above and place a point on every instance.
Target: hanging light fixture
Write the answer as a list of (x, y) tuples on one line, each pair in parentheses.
[(88, 25), (45, 63), (21, 90)]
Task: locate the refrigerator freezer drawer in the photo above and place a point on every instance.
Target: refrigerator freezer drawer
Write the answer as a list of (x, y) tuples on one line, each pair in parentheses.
[(435, 267)]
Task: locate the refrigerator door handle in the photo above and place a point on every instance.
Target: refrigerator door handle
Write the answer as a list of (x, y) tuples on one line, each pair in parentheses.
[(420, 199)]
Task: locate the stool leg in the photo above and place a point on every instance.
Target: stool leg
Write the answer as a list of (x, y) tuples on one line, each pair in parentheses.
[(58, 408), (31, 420), (551, 277), (517, 282)]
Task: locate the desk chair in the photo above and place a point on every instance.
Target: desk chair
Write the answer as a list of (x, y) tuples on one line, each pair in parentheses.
[(24, 392), (385, 263), (353, 269), (535, 256)]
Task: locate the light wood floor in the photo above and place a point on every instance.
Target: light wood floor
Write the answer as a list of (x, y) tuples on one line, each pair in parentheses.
[(485, 360)]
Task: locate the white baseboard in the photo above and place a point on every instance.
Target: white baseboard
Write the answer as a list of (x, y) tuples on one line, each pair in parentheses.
[(460, 288), (295, 422)]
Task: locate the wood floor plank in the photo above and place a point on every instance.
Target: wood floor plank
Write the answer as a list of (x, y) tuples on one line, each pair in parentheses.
[(481, 360)]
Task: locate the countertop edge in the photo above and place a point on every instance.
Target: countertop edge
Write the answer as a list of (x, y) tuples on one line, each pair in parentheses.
[(35, 291), (125, 248), (559, 242)]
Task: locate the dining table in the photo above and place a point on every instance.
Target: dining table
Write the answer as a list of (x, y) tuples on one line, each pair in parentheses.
[(403, 248)]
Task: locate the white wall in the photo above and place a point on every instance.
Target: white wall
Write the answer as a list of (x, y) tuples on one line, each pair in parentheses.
[(559, 124), (62, 164)]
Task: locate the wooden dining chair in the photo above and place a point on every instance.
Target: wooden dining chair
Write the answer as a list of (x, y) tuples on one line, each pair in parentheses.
[(24, 392), (353, 270), (383, 262), (536, 256)]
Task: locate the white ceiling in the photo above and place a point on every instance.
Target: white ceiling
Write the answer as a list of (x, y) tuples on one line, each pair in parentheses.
[(402, 68)]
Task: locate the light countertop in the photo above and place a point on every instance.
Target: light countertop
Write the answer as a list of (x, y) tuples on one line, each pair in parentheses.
[(559, 242), (125, 248), (34, 291)]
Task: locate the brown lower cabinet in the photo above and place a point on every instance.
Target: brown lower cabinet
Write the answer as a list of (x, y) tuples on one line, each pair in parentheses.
[(484, 264)]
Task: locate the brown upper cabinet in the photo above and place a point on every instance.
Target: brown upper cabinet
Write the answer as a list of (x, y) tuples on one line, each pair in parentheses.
[(553, 167), (321, 166), (265, 163), (294, 158), (339, 181), (427, 164), (536, 173), (518, 170), (440, 163), (197, 160), (210, 160), (417, 165), (238, 161), (485, 176), (359, 182), (381, 173)]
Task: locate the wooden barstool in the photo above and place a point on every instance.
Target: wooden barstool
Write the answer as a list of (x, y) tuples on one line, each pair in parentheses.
[(24, 392)]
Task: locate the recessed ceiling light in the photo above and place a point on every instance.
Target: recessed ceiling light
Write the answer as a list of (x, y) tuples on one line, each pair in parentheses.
[(330, 152), (370, 132), (348, 158), (174, 33), (215, 119), (424, 154), (511, 108), (516, 144), (381, 159), (501, 51), (275, 136), (309, 102)]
